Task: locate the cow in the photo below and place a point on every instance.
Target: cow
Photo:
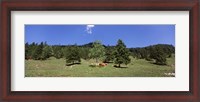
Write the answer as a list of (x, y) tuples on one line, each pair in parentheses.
[(28, 58), (102, 64)]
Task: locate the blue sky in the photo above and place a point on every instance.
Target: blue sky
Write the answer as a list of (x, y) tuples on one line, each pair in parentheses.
[(132, 35)]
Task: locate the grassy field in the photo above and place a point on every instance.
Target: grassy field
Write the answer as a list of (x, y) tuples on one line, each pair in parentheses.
[(137, 68)]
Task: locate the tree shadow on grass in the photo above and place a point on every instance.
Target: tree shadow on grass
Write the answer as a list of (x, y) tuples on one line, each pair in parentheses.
[(158, 64), (70, 64), (92, 65), (96, 66), (108, 62), (120, 66)]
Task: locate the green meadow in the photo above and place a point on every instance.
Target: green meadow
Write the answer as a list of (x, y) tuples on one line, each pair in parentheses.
[(53, 67)]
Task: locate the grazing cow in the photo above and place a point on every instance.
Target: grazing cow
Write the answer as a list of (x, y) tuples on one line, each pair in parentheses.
[(102, 64), (29, 58)]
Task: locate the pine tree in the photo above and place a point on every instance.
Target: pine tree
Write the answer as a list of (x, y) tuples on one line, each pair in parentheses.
[(109, 57), (46, 53), (27, 51), (84, 52), (159, 55), (121, 54), (31, 51), (57, 52), (72, 55), (37, 52), (97, 51)]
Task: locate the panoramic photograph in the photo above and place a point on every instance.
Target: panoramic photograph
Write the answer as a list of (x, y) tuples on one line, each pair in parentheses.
[(97, 50)]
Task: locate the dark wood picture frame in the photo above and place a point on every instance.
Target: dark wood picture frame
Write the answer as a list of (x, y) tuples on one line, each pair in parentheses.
[(99, 5)]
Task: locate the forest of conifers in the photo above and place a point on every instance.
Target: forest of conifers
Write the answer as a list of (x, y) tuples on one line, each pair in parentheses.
[(73, 53)]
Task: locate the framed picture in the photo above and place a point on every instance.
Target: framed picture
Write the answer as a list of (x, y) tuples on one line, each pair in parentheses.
[(100, 50)]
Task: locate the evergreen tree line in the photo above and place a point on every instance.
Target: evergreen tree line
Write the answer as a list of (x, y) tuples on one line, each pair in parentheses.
[(158, 52), (118, 54)]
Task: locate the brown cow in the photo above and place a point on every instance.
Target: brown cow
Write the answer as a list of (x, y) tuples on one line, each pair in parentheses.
[(28, 58), (103, 64)]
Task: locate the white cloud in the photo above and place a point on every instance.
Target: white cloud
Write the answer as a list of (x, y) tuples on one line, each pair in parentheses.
[(89, 29)]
